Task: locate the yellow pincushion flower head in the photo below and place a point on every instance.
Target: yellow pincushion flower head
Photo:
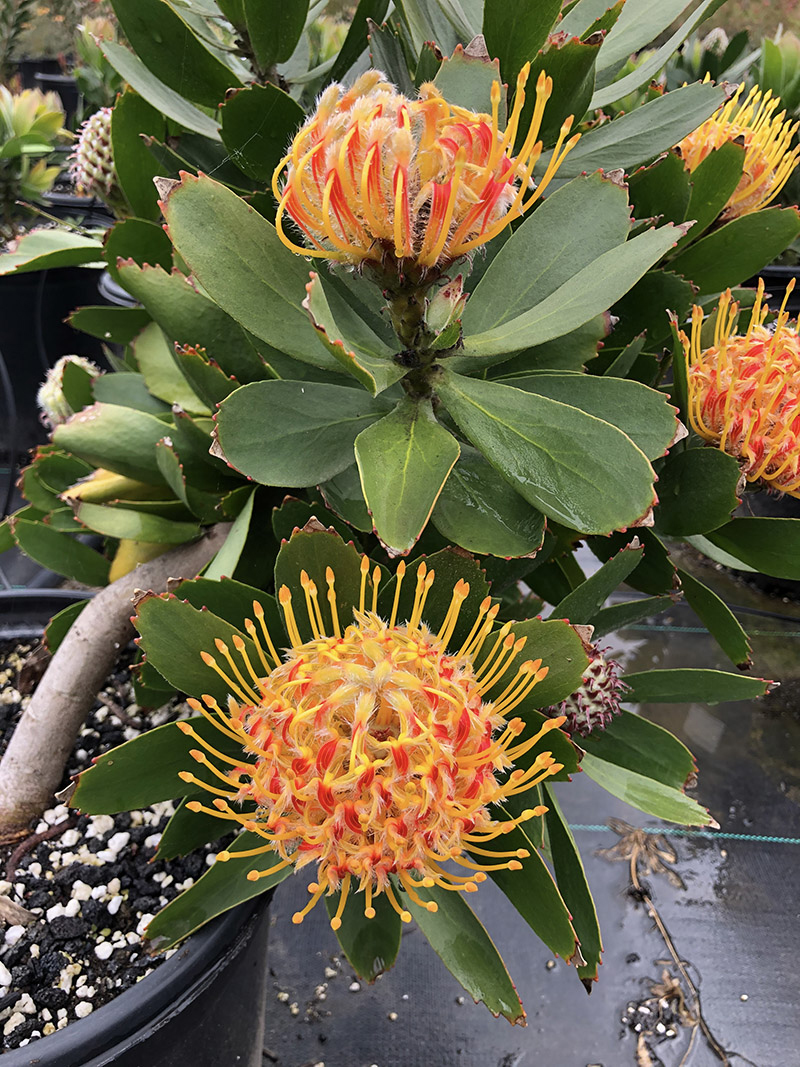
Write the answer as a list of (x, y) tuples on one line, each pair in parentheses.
[(372, 751), (766, 135), (744, 391), (410, 185)]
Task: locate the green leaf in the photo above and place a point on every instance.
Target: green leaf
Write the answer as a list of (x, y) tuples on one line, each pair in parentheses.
[(661, 190), (161, 372), (641, 22), (639, 745), (123, 522), (771, 546), (344, 496), (655, 574), (76, 385), (572, 466), (685, 685), (644, 414), (241, 263), (739, 249), (58, 627), (459, 939), (448, 565), (650, 64), (570, 63), (581, 15), (156, 93), (188, 830), (645, 132), (293, 433), (562, 651), (127, 391), (718, 619), (573, 886), (225, 561), (646, 794), (623, 363), (137, 240), (569, 231), (466, 81), (222, 887), (619, 616), (166, 45), (6, 536), (257, 125), (696, 491), (532, 890), (349, 339), (356, 40), (371, 945), (314, 551), (515, 30), (232, 601), (583, 603), (387, 55), (116, 438), (587, 293), (189, 318), (117, 325), (61, 553), (46, 249), (570, 352), (404, 460), (274, 28), (133, 162), (712, 183), (482, 513), (294, 514), (646, 308)]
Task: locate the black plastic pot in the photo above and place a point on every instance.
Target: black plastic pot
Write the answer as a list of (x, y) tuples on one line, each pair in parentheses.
[(33, 335), (30, 66), (111, 292), (204, 1007), (65, 86), (776, 278), (765, 505)]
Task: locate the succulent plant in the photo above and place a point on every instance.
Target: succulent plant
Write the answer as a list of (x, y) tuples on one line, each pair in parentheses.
[(30, 124)]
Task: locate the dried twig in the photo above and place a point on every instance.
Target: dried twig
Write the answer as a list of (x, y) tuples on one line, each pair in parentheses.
[(34, 840)]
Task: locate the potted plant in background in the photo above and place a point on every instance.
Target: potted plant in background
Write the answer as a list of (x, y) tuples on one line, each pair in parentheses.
[(416, 415)]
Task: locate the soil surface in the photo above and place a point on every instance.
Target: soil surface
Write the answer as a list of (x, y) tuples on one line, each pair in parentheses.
[(89, 882)]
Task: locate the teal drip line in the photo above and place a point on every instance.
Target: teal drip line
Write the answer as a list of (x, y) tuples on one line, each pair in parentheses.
[(703, 630), (596, 828)]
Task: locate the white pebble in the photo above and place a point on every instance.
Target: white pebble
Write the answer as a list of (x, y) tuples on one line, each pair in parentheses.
[(83, 1009), (13, 1023), (72, 908), (13, 934), (55, 912), (118, 841), (744, 996), (25, 1004), (354, 987), (114, 886), (70, 838), (99, 825), (153, 841), (107, 855), (35, 869), (392, 1016), (34, 951), (99, 891), (142, 924), (211, 859), (80, 890), (5, 975), (114, 905), (103, 950)]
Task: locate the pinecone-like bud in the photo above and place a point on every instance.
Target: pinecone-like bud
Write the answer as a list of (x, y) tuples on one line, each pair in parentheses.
[(53, 404), (596, 702), (93, 161)]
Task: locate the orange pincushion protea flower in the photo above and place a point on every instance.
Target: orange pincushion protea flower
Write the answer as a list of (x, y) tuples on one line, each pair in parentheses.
[(744, 391), (374, 176), (767, 139), (375, 753)]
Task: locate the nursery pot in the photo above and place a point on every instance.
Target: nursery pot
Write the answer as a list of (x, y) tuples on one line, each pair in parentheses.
[(33, 335), (204, 1006), (64, 85), (30, 66), (766, 505)]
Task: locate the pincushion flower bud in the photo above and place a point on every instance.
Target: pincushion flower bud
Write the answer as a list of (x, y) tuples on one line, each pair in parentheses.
[(411, 185), (767, 140), (93, 160), (596, 702), (373, 750), (744, 391), (52, 403)]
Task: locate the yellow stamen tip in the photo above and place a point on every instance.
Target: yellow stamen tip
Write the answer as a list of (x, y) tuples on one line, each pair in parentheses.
[(336, 923)]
